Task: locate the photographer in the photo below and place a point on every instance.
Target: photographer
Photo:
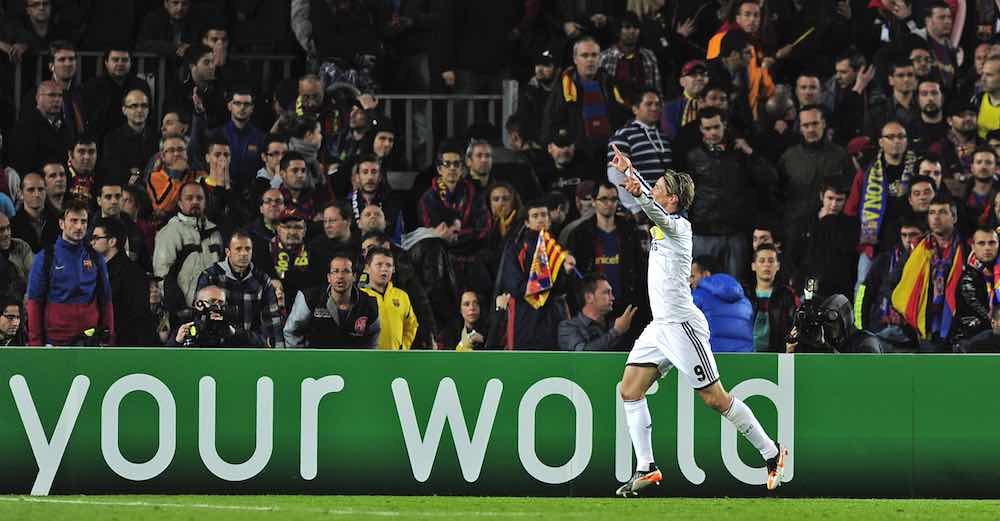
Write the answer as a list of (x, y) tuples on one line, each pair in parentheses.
[(211, 325)]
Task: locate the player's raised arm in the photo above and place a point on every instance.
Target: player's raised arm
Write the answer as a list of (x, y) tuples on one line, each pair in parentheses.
[(642, 192)]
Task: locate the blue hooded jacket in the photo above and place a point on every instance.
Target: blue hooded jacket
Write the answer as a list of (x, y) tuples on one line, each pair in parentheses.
[(730, 315)]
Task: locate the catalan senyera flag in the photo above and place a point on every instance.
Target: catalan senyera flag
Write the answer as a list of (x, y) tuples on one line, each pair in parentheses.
[(545, 267), (910, 296)]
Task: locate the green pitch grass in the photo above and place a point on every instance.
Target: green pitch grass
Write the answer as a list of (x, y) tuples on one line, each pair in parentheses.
[(314, 508)]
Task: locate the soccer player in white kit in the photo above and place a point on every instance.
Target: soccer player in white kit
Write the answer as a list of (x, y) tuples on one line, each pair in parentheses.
[(678, 335)]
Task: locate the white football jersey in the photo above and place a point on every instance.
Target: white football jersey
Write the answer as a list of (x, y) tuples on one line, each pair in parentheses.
[(669, 264)]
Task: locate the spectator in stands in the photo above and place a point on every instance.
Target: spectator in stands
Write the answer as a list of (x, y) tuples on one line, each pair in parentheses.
[(300, 199), (11, 332), (199, 91), (980, 189), (714, 95), (185, 246), (168, 32), (930, 129), (164, 184), (226, 204), (35, 30), (127, 148), (534, 308), (383, 136), (428, 249), (451, 190), (728, 311), (249, 290), (396, 316), (15, 260), (824, 245), (68, 288), (745, 17), (81, 168), (468, 334), (272, 207), (245, 140), (809, 91), (728, 178), (988, 99), (36, 222), (633, 66), (974, 298), (609, 244), (938, 24), (335, 315), (135, 204), (482, 171), (874, 295), (55, 182), (305, 138), (889, 175), (803, 168), (287, 258), (372, 219), (558, 205), (641, 140), (353, 140), (985, 342), (42, 132), (535, 94), (103, 95), (371, 190), (129, 285), (901, 105), (564, 170), (684, 109), (587, 102), (132, 244), (849, 91), (337, 234), (925, 295), (589, 330), (774, 303), (404, 277), (962, 137), (274, 147)]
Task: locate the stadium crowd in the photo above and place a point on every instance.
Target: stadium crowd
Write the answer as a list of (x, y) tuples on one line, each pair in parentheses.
[(850, 142)]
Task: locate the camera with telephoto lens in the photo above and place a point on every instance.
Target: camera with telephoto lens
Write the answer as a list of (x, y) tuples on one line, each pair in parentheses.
[(821, 326), (211, 326)]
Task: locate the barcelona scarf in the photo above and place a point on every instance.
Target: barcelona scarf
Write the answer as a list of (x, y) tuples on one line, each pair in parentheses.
[(911, 294), (545, 266)]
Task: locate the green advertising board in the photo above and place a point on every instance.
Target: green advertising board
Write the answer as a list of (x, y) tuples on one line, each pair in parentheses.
[(90, 421)]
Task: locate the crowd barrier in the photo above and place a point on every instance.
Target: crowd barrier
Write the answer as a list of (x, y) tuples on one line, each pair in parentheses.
[(92, 421), (421, 120)]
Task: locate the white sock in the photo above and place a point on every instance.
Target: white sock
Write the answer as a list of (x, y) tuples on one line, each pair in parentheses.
[(640, 429), (742, 417)]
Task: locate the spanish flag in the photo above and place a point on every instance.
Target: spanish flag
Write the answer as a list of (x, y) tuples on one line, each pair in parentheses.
[(545, 266), (910, 296)]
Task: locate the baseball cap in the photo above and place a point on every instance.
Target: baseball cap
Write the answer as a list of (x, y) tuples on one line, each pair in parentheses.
[(692, 66), (562, 138), (585, 189), (545, 57)]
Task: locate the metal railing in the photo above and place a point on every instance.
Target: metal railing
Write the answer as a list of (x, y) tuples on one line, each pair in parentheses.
[(430, 112)]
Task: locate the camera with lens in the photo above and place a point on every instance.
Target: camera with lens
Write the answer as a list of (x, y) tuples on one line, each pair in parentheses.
[(821, 326), (211, 325)]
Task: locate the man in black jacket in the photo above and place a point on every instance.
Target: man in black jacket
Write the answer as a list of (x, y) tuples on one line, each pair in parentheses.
[(42, 133), (102, 96), (168, 31), (129, 286), (824, 245), (975, 296), (128, 148), (36, 222), (336, 315), (774, 303), (731, 184)]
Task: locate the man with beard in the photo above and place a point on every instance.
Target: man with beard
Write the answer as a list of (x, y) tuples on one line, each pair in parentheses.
[(926, 294), (300, 199), (961, 138), (164, 184), (287, 259), (938, 22), (371, 190), (531, 104), (127, 148), (804, 167), (643, 143), (336, 315), (632, 66), (68, 288), (185, 246), (683, 110), (129, 285), (103, 95), (980, 189), (931, 129), (975, 296), (877, 190), (35, 222), (81, 166)]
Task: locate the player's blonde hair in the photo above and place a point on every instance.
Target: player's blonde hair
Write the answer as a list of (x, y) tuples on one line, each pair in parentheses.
[(681, 185)]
